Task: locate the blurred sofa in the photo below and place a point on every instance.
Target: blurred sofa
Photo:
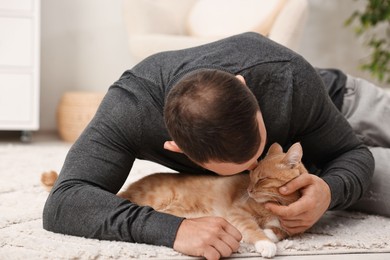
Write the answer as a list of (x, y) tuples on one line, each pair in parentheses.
[(160, 25)]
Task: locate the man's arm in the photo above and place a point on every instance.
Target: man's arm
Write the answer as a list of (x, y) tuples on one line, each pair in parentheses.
[(329, 141), (346, 165), (83, 200)]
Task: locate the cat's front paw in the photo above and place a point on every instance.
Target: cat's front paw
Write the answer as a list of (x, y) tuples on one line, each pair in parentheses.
[(266, 248), (271, 235)]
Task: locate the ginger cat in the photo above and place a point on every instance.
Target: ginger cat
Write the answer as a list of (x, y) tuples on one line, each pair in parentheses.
[(238, 198)]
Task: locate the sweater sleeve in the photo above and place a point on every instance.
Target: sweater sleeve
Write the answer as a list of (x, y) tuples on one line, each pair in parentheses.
[(83, 201), (328, 140)]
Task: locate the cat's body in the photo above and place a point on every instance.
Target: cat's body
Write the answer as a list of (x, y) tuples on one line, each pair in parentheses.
[(239, 198)]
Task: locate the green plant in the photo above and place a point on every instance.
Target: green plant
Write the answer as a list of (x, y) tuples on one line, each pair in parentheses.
[(374, 25)]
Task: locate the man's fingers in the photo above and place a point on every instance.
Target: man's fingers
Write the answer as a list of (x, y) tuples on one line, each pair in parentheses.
[(211, 237), (294, 209), (295, 226), (223, 248), (232, 236), (303, 213), (294, 230), (296, 184), (292, 223), (228, 242), (227, 227), (211, 253), (230, 229), (232, 242)]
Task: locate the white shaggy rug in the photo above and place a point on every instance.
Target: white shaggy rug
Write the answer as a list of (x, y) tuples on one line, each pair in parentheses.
[(22, 236)]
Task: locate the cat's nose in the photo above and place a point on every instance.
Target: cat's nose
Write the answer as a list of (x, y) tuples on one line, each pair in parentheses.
[(253, 165)]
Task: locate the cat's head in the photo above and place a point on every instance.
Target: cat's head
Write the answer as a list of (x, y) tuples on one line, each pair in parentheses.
[(276, 169)]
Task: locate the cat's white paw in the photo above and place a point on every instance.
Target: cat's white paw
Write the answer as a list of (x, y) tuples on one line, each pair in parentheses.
[(266, 248), (271, 235)]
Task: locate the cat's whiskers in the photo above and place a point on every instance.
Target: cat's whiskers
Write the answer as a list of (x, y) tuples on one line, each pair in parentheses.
[(245, 197)]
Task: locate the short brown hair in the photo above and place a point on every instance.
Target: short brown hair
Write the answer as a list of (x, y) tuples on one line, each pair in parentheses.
[(211, 115)]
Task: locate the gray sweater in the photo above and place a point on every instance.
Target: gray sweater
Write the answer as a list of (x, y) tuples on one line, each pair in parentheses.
[(129, 124)]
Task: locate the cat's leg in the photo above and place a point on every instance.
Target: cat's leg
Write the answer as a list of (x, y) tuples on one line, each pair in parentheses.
[(253, 234), (273, 230), (277, 234), (272, 234), (177, 209)]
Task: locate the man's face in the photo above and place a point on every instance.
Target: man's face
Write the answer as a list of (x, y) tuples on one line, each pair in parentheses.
[(234, 168)]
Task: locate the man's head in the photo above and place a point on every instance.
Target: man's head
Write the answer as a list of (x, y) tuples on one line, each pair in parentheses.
[(214, 119)]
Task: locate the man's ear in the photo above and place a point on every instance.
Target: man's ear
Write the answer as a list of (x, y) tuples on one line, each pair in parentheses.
[(241, 78), (172, 146)]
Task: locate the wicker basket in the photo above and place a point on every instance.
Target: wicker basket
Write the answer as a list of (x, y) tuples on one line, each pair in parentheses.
[(75, 111)]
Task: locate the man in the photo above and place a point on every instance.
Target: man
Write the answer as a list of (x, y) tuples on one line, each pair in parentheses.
[(224, 104)]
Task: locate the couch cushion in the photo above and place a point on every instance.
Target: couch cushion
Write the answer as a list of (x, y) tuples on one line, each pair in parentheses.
[(227, 17)]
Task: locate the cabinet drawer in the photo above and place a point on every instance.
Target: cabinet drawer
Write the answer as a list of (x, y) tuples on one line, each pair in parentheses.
[(16, 98), (16, 5), (16, 41)]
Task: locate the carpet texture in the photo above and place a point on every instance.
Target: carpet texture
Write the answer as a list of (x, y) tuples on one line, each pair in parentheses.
[(22, 199)]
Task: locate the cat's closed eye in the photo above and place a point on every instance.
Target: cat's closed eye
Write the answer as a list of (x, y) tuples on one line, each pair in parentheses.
[(261, 180)]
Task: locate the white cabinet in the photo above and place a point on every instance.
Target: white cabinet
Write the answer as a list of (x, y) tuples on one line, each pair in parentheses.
[(19, 64)]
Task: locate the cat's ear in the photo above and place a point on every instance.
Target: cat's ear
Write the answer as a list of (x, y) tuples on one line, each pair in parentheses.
[(294, 155), (172, 146), (275, 149)]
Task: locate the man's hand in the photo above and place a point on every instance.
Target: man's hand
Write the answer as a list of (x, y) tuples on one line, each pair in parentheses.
[(210, 237), (305, 212)]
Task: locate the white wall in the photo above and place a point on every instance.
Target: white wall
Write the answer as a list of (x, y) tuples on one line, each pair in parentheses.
[(84, 46), (327, 42)]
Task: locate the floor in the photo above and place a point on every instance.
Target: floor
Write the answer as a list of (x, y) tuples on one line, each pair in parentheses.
[(52, 138), (39, 137), (337, 257)]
